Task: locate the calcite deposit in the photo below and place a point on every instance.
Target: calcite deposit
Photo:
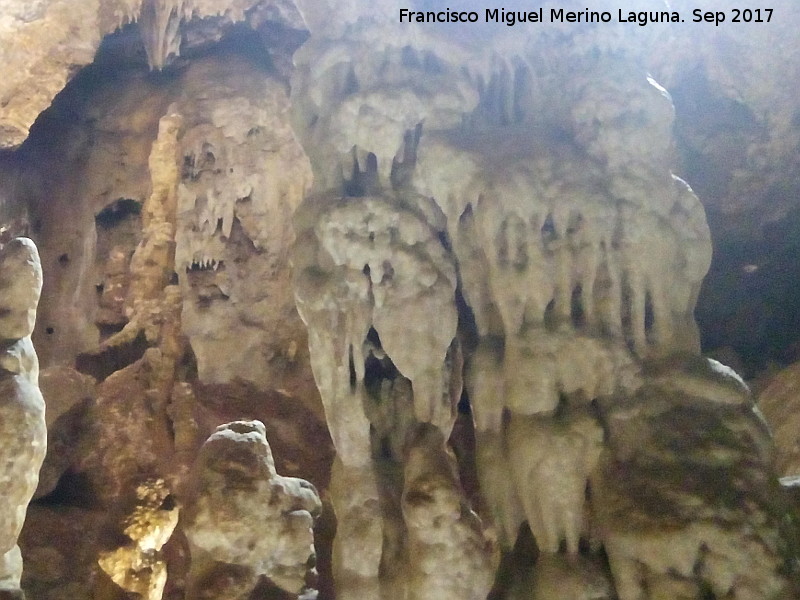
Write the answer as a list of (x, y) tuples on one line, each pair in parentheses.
[(450, 271), (22, 423), (245, 521)]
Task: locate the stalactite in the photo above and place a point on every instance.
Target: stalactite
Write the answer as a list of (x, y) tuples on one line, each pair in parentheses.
[(160, 21)]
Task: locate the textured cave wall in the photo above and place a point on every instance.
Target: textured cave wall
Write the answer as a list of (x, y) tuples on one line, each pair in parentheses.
[(737, 135), (456, 286), (165, 240)]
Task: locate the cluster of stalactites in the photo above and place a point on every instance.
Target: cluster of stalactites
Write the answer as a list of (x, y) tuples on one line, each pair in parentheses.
[(587, 264), (373, 263), (569, 286), (160, 22)]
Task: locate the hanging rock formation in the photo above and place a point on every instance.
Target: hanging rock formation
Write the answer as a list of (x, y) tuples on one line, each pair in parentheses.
[(579, 257), (22, 424), (244, 173), (367, 268)]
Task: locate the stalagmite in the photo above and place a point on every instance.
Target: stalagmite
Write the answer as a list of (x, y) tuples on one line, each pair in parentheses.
[(23, 434), (682, 497), (450, 556), (244, 520), (363, 265), (153, 261)]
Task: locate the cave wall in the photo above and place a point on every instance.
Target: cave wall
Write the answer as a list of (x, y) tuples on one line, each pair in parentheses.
[(448, 277)]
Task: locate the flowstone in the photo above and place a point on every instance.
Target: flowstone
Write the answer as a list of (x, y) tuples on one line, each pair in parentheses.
[(685, 499)]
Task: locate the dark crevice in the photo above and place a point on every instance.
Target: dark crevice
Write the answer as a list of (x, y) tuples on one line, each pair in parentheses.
[(378, 368), (550, 320), (362, 182), (601, 292), (116, 212), (352, 366), (548, 230), (515, 562), (649, 317), (403, 168), (576, 308), (73, 489), (109, 359), (626, 307)]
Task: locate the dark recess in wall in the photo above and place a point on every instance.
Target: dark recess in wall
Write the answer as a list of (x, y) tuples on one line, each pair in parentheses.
[(749, 305)]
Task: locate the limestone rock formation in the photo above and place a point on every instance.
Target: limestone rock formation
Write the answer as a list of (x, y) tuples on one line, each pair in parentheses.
[(778, 402), (704, 519), (285, 215), (576, 250), (22, 424), (366, 269), (243, 175), (450, 554), (245, 521), (45, 43), (68, 395)]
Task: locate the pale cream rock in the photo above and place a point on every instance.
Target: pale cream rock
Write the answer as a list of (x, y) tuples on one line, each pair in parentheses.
[(540, 233), (365, 263), (22, 422), (20, 286), (551, 460), (368, 268), (358, 545), (243, 175), (579, 255), (450, 555), (358, 96), (10, 571), (498, 486), (243, 514)]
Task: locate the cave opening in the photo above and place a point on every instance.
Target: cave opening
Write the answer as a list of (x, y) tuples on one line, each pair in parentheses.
[(748, 309)]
